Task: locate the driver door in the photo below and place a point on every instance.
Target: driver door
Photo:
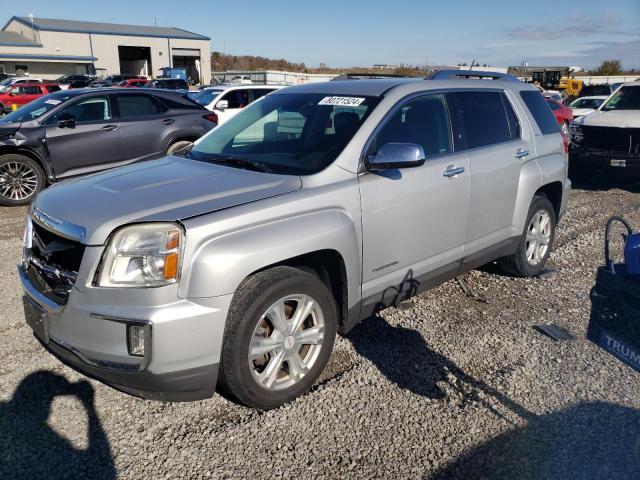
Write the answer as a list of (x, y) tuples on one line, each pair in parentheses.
[(414, 219), (92, 143)]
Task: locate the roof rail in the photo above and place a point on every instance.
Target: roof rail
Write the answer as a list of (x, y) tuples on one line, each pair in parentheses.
[(474, 74), (362, 76)]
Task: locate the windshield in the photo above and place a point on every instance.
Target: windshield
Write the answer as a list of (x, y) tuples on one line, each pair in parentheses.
[(292, 134), (587, 103), (35, 109), (205, 97), (626, 98)]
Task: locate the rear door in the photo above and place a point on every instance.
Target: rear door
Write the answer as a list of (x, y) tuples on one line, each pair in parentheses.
[(490, 133), (142, 125), (92, 144), (23, 94)]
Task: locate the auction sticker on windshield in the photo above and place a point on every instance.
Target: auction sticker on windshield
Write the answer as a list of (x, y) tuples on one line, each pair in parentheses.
[(342, 101)]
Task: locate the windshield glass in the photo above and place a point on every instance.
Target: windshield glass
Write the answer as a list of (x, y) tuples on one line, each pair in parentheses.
[(292, 134), (587, 103), (205, 97), (627, 98), (35, 109)]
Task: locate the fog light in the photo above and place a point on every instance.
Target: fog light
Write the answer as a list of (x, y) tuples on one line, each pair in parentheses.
[(135, 340)]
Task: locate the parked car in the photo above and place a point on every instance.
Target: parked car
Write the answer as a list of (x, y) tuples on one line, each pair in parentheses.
[(9, 81), (168, 83), (133, 82), (226, 101), (582, 106), (563, 115), (73, 132), (238, 263), (241, 79), (553, 95), (74, 81), (20, 94), (598, 90), (608, 139), (112, 80)]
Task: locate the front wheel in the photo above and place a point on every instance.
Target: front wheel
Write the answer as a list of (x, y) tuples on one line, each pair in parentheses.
[(278, 338), (21, 178), (536, 241), (178, 147)]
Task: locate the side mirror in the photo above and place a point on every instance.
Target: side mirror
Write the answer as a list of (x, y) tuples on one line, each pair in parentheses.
[(396, 155), (222, 104), (12, 93), (67, 121)]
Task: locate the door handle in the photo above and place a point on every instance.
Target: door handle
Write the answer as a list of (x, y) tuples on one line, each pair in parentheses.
[(453, 171), (521, 153), (109, 128), (168, 121)]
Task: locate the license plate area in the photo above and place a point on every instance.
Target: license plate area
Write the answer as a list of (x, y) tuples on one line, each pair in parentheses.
[(618, 163), (36, 318)]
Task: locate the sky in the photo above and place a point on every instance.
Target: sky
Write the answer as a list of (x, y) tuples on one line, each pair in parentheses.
[(343, 33)]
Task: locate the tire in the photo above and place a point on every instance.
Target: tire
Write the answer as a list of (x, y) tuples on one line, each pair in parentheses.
[(25, 176), (177, 147), (253, 382), (526, 262)]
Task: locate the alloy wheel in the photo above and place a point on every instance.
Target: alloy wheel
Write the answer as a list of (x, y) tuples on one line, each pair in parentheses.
[(286, 342), (18, 181), (538, 237)]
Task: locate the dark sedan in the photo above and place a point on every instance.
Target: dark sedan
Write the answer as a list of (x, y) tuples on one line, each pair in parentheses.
[(74, 132), (74, 81)]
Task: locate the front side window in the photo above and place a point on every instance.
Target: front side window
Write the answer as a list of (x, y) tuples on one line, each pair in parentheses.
[(137, 106), (237, 98), (423, 121), (292, 134), (28, 90), (483, 118), (93, 109), (626, 98)]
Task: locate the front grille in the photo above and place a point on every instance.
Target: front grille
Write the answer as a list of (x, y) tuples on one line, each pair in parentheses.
[(611, 140), (53, 263)]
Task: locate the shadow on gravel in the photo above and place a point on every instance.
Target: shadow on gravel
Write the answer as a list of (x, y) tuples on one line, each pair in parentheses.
[(404, 357), (599, 181), (584, 442), (31, 449)]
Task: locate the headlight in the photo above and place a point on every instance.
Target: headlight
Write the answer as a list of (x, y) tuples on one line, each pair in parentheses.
[(145, 255), (575, 133)]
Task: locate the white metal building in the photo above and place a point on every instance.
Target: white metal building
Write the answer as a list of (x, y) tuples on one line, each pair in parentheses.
[(48, 48)]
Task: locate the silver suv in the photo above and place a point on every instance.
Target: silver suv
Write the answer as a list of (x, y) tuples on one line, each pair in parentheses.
[(235, 264)]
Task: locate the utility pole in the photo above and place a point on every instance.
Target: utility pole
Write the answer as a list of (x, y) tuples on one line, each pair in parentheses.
[(155, 20)]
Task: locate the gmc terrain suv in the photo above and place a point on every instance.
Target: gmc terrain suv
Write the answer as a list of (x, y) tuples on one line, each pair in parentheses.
[(317, 205)]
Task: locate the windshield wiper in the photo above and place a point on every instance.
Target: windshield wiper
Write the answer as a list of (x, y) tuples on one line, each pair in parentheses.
[(229, 160)]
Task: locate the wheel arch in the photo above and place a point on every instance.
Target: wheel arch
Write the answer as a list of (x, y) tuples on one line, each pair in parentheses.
[(553, 192), (6, 150)]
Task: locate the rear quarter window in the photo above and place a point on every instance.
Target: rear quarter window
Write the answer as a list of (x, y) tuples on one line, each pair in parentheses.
[(541, 112)]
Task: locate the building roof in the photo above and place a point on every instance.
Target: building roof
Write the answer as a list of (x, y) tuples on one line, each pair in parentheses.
[(14, 39), (98, 28)]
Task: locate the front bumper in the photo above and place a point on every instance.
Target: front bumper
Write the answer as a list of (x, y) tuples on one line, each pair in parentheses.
[(183, 338), (603, 160)]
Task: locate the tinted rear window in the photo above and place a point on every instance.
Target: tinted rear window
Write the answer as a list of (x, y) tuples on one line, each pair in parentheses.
[(483, 117), (541, 112)]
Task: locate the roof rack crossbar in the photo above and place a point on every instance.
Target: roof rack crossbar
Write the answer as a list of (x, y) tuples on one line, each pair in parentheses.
[(475, 74)]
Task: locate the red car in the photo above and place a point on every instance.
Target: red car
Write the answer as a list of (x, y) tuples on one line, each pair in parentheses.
[(22, 93), (563, 114), (132, 82)]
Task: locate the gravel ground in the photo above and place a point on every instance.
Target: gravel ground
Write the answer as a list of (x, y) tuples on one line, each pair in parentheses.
[(443, 386)]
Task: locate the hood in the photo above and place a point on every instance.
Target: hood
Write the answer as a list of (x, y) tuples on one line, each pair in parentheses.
[(611, 118), (168, 189)]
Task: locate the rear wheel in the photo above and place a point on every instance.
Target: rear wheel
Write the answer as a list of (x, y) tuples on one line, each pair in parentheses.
[(278, 338), (536, 241), (178, 147), (21, 178)]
